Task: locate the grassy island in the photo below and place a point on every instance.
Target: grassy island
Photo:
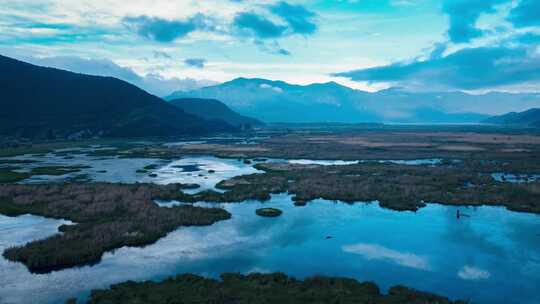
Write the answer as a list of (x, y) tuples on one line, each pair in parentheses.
[(57, 170), (107, 217), (259, 288), (268, 212), (397, 187)]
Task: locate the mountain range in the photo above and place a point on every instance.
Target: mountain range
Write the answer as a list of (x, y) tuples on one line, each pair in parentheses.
[(278, 101), (212, 109), (529, 118), (39, 102)]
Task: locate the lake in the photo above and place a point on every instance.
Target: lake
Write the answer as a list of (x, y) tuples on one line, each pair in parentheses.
[(491, 256)]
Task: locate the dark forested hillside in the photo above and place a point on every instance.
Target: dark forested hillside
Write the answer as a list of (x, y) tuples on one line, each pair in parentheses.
[(212, 109), (45, 102)]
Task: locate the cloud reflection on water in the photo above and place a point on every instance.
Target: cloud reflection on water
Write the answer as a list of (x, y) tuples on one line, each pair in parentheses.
[(377, 252)]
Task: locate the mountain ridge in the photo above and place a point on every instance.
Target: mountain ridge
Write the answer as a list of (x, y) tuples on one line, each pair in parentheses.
[(48, 102), (278, 101), (530, 118)]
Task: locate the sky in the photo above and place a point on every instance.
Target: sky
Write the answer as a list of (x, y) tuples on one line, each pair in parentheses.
[(166, 45)]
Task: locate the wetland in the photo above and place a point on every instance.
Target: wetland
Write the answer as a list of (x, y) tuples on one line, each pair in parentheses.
[(361, 204)]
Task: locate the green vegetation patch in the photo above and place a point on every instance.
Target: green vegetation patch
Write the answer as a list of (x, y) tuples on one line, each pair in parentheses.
[(258, 288), (268, 212), (155, 152), (9, 176), (151, 167), (16, 161), (397, 187), (57, 170), (108, 216), (9, 208), (43, 147), (9, 152), (147, 168)]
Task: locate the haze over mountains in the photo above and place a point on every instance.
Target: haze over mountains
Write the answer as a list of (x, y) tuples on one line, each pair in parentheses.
[(278, 101), (50, 103)]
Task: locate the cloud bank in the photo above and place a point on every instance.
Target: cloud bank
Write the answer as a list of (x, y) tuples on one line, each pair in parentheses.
[(252, 24), (195, 62), (268, 22), (473, 58), (526, 14), (299, 19), (464, 14), (466, 69), (153, 83)]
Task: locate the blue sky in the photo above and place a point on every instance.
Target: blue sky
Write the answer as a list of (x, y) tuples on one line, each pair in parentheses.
[(164, 45)]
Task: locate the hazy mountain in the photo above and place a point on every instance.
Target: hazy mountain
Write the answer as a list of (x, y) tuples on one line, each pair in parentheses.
[(529, 118), (277, 101), (212, 109), (46, 102)]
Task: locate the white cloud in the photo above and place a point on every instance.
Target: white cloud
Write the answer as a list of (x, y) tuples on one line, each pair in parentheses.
[(151, 82), (473, 273), (110, 12), (377, 252), (402, 3), (267, 86), (94, 29)]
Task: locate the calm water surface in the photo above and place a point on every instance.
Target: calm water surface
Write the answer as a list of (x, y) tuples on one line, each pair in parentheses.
[(205, 171), (516, 178), (493, 256)]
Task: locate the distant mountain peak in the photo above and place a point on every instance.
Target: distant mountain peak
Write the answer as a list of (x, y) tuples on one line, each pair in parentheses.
[(257, 81), (281, 83), (324, 84)]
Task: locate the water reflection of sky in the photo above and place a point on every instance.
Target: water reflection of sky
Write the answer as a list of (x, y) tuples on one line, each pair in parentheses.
[(206, 171), (408, 162), (493, 256), (516, 178)]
